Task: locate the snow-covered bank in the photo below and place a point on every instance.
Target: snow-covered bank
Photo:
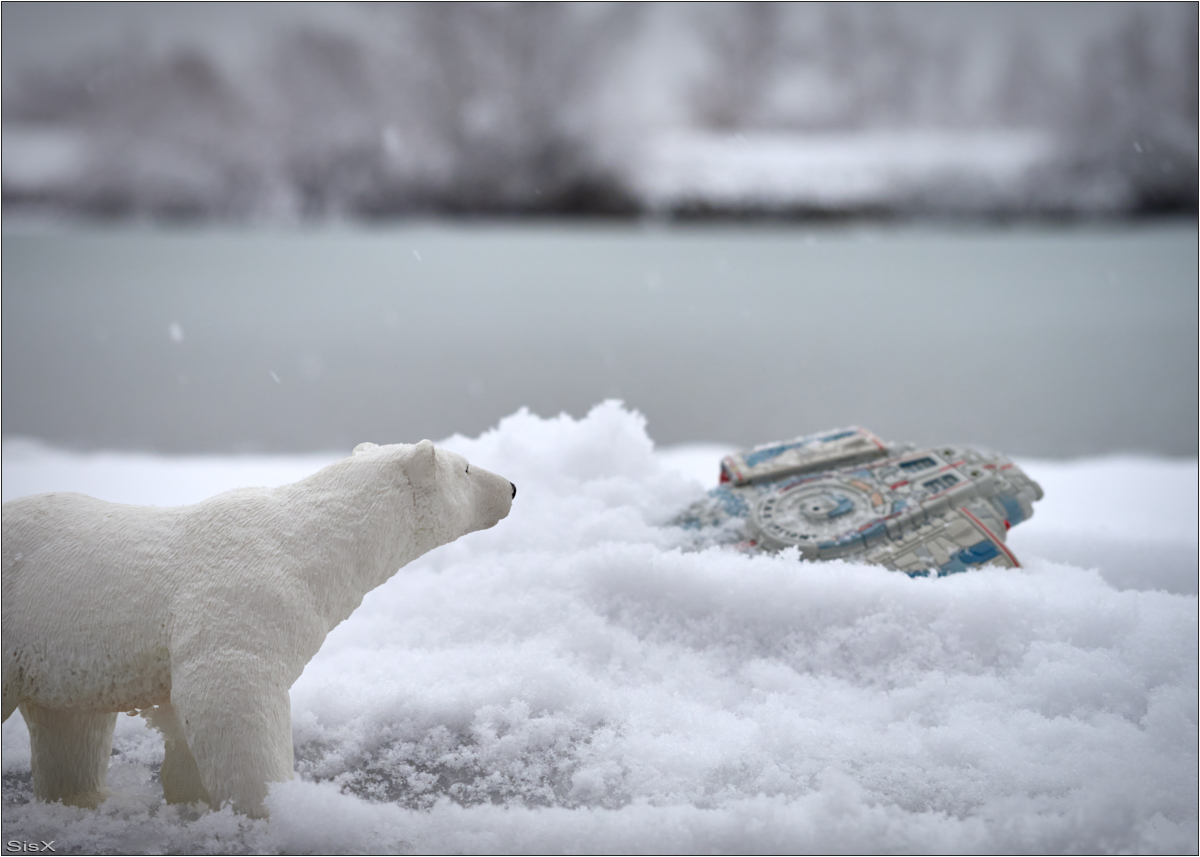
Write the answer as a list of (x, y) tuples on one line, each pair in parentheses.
[(841, 172), (569, 682)]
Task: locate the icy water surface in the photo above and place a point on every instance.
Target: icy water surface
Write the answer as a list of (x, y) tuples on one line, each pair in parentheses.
[(1038, 341)]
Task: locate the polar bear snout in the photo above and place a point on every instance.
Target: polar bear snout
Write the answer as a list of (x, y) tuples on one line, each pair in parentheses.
[(492, 498)]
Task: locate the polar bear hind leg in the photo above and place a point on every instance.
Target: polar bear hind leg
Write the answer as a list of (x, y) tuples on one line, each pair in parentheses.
[(179, 774), (69, 753)]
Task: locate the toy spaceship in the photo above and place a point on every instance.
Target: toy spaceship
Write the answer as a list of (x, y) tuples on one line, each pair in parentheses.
[(845, 494)]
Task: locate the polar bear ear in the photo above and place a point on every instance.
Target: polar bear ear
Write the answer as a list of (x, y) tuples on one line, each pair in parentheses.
[(421, 464), (366, 446)]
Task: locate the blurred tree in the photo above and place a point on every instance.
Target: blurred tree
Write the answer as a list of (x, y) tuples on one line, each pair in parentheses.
[(325, 114), (504, 94), (1132, 132), (526, 107), (164, 132), (1029, 91), (744, 44), (872, 59)]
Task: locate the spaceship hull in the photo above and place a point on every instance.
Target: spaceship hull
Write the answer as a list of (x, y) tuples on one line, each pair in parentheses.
[(847, 494)]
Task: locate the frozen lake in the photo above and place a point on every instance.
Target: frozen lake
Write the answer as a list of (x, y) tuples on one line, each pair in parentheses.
[(1047, 341)]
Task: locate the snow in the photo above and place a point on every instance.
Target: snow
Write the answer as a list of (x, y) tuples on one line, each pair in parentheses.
[(569, 681), (834, 170), (34, 158)]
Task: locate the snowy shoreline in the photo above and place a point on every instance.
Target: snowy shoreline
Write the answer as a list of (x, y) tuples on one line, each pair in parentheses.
[(571, 682)]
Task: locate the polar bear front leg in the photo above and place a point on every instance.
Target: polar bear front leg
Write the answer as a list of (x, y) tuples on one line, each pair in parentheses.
[(237, 722), (69, 753), (179, 774)]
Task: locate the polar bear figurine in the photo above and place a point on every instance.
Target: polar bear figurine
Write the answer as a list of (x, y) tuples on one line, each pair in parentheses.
[(203, 616)]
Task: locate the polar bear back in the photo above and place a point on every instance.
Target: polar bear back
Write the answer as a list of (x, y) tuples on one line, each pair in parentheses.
[(92, 590)]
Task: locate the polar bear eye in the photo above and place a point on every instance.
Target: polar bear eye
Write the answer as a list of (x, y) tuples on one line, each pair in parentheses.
[(468, 468)]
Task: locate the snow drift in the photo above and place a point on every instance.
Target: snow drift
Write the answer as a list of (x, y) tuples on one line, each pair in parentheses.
[(572, 681)]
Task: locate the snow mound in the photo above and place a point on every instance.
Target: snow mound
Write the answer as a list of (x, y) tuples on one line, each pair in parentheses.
[(570, 681)]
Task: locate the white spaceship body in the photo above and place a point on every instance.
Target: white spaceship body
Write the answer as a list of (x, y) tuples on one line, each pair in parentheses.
[(847, 494)]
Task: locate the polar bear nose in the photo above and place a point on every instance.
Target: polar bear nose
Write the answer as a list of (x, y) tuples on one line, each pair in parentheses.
[(514, 488)]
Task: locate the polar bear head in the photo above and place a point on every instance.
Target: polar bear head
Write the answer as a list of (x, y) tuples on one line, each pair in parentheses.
[(449, 496)]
